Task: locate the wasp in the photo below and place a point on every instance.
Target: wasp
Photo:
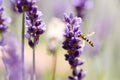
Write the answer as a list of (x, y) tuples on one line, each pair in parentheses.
[(84, 37)]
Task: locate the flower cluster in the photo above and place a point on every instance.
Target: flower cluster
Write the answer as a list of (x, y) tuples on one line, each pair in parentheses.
[(22, 5), (35, 26), (4, 20), (81, 6), (73, 46)]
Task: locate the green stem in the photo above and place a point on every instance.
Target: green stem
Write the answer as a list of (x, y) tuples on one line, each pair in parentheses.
[(54, 65), (34, 67), (22, 45)]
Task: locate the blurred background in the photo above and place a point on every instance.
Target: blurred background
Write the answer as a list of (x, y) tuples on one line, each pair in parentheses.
[(102, 62)]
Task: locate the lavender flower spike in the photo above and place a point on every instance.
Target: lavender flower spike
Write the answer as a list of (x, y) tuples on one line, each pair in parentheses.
[(10, 57), (81, 6), (35, 26), (4, 20), (22, 5), (73, 46)]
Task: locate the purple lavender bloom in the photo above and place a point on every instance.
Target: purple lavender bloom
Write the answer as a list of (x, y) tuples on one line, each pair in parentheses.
[(34, 25), (4, 20), (22, 5), (81, 6), (10, 57), (73, 46)]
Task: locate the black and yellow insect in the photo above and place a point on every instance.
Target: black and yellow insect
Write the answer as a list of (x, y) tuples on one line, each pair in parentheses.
[(84, 37)]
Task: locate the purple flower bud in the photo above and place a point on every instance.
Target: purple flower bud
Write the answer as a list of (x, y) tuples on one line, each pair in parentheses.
[(81, 62), (73, 78), (82, 74)]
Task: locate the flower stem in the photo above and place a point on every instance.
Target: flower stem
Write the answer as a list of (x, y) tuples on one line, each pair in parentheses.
[(22, 50), (34, 67), (54, 65)]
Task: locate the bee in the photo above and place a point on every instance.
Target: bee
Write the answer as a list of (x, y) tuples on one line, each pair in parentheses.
[(84, 37)]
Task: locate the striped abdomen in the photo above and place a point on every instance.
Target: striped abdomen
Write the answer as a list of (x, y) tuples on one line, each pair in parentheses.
[(86, 39)]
